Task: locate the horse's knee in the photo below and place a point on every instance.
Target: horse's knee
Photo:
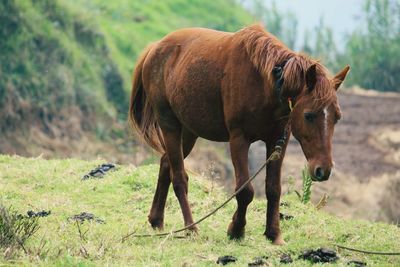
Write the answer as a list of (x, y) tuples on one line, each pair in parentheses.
[(245, 196)]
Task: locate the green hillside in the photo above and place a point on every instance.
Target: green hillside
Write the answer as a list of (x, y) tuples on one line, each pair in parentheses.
[(122, 199), (66, 65)]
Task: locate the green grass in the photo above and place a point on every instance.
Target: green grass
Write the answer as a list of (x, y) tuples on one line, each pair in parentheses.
[(60, 55), (123, 199)]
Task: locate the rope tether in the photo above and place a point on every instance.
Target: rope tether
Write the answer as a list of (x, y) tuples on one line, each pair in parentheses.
[(274, 156)]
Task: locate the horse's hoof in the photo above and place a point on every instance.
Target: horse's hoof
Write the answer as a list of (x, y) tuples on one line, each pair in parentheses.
[(156, 223), (276, 239), (234, 233), (279, 242), (192, 231)]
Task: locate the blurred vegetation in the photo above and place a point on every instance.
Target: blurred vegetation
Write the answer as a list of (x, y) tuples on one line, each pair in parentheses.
[(281, 24), (64, 60), (320, 43), (374, 49), (71, 61)]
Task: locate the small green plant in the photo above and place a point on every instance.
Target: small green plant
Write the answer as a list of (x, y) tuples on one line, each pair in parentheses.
[(307, 183), (15, 229)]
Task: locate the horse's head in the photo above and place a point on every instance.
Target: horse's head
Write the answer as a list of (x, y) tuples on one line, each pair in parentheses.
[(314, 117)]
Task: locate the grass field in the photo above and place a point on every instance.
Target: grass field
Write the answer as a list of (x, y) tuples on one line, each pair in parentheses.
[(123, 197)]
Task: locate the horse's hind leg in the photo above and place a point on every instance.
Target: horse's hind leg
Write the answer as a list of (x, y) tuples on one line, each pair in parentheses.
[(156, 216), (173, 145), (239, 152)]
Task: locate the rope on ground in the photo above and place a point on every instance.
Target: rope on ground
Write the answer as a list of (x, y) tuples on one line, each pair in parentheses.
[(274, 156), (369, 252)]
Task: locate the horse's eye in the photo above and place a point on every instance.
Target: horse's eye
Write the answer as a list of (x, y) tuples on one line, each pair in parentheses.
[(309, 116)]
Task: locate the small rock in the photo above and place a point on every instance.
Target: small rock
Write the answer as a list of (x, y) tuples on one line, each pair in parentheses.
[(285, 258), (259, 261), (224, 260)]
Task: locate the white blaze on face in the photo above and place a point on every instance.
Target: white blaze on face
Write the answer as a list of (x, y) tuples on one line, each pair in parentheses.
[(325, 129)]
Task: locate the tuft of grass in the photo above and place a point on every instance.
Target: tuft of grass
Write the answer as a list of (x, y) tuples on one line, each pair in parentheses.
[(15, 229), (123, 198)]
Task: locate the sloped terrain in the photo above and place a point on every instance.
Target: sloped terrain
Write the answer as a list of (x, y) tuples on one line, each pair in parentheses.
[(66, 67), (119, 203)]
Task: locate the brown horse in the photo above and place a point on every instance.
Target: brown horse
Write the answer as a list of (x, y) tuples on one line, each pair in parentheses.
[(232, 87)]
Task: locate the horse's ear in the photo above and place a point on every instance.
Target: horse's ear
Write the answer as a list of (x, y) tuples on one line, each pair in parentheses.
[(339, 78), (311, 77)]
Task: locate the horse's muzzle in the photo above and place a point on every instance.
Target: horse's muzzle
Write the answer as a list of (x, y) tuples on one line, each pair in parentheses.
[(321, 174)]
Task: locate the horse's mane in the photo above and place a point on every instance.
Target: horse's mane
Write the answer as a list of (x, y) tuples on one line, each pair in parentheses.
[(266, 51)]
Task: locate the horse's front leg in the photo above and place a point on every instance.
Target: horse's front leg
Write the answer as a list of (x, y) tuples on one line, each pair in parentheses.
[(273, 193), (239, 152)]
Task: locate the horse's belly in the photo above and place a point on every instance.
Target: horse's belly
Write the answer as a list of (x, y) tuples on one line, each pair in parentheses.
[(198, 105), (205, 121)]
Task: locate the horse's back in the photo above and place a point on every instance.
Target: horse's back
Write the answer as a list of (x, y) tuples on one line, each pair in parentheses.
[(183, 75)]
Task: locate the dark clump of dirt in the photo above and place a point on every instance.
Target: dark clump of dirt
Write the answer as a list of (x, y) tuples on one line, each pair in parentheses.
[(285, 216), (356, 263), (285, 258), (85, 216), (32, 214), (224, 260), (43, 213), (319, 255), (259, 261), (99, 171)]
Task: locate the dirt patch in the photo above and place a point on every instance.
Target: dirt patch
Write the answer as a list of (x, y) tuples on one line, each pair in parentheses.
[(99, 171), (286, 259), (86, 216), (43, 213), (224, 260), (285, 217), (356, 263), (319, 255), (259, 261), (387, 141)]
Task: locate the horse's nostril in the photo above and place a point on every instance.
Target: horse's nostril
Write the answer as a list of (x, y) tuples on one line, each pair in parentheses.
[(319, 173)]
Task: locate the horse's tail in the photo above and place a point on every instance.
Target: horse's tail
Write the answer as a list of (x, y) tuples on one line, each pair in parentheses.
[(141, 114)]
